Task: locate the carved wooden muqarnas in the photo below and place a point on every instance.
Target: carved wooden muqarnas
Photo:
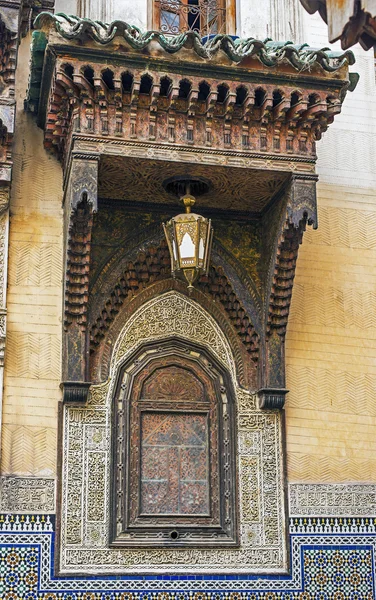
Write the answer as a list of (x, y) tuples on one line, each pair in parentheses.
[(80, 204)]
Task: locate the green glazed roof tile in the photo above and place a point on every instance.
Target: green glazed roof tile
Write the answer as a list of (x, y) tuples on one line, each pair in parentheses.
[(300, 56)]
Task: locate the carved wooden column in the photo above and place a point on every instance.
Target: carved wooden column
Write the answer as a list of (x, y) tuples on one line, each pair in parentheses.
[(4, 235), (9, 30), (301, 210), (80, 205)]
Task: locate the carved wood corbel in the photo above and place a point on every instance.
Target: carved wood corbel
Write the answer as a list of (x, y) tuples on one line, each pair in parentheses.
[(80, 205), (302, 200), (301, 210), (9, 26)]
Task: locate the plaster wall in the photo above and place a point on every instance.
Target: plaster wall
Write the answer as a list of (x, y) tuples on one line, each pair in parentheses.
[(278, 19), (133, 12), (331, 340), (32, 366)]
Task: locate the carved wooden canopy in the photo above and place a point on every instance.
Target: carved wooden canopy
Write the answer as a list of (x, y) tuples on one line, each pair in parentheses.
[(125, 111)]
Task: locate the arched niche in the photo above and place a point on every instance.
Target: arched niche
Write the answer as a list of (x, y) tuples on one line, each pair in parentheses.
[(243, 365), (178, 324)]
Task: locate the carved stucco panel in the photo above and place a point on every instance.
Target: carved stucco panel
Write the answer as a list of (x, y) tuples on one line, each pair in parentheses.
[(172, 315), (87, 459), (27, 495), (337, 499)]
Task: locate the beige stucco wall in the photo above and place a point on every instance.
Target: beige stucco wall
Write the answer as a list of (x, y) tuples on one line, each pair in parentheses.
[(331, 343), (331, 339), (32, 363)]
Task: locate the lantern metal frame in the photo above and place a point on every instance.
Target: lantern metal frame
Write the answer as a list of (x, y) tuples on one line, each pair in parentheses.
[(175, 229)]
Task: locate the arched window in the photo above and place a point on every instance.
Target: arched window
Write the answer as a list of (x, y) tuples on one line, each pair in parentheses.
[(206, 17), (174, 458)]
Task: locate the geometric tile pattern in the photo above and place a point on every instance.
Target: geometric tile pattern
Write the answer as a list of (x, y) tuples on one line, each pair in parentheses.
[(338, 573), (331, 559)]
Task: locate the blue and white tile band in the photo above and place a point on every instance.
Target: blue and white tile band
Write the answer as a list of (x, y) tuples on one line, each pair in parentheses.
[(331, 558)]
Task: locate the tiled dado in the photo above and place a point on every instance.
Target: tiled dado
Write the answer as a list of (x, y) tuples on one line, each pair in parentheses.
[(331, 559)]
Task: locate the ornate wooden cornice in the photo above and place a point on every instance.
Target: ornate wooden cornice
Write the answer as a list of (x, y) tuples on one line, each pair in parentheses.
[(281, 119), (245, 95)]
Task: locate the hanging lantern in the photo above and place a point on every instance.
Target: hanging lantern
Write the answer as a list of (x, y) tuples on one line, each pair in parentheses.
[(189, 238)]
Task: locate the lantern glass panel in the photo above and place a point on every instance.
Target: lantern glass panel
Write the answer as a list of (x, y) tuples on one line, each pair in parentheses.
[(201, 250), (174, 250), (187, 247)]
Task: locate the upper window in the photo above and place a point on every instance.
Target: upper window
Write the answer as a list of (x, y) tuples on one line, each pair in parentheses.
[(206, 17), (174, 460)]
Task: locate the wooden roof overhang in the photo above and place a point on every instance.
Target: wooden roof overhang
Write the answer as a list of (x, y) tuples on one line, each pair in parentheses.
[(125, 111), (112, 90)]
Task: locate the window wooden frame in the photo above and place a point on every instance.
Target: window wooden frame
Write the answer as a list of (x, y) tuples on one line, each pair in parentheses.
[(228, 27), (130, 527)]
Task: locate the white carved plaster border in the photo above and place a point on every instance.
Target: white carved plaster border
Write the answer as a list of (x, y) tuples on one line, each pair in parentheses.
[(31, 495), (332, 499), (187, 319), (34, 495), (85, 510)]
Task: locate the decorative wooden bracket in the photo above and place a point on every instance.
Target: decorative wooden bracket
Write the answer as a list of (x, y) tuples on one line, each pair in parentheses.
[(302, 202), (271, 398), (80, 205), (301, 210), (75, 392)]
